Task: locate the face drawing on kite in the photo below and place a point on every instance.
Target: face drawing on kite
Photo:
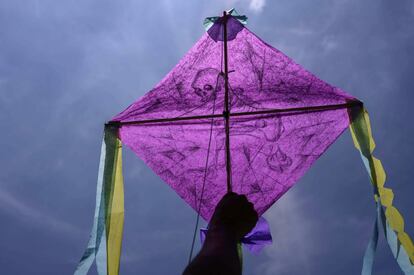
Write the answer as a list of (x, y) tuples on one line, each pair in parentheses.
[(207, 83)]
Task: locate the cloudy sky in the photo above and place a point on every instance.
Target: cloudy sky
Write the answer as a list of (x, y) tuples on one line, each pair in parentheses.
[(68, 66)]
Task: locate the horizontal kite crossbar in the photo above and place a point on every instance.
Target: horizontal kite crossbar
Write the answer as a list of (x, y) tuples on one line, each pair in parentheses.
[(239, 114)]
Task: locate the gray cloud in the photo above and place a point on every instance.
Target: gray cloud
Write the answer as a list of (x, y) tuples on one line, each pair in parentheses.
[(29, 215), (67, 67)]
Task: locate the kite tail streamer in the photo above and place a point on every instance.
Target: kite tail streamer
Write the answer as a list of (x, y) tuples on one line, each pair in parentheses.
[(388, 217), (105, 240), (240, 254)]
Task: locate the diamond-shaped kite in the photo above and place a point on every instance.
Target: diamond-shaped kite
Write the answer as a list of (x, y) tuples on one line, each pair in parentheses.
[(234, 114)]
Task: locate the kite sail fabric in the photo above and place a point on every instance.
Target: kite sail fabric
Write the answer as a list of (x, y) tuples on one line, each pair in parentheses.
[(274, 104), (280, 120)]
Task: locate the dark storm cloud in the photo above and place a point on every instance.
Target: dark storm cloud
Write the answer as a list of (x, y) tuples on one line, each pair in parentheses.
[(66, 67)]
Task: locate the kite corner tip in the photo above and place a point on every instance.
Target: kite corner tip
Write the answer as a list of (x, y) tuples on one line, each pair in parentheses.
[(355, 103), (112, 123)]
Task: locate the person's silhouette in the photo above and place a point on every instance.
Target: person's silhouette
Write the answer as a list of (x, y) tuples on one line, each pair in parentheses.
[(233, 218)]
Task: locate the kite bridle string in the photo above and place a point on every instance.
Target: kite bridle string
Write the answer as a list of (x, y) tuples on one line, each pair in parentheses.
[(205, 175), (226, 115)]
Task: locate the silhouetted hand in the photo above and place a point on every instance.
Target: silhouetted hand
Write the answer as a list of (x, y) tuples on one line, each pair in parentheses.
[(235, 214)]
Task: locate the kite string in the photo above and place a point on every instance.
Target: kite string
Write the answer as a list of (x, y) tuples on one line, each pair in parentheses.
[(204, 178), (207, 158)]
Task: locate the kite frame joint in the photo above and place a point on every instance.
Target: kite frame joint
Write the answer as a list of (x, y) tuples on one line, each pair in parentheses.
[(116, 124)]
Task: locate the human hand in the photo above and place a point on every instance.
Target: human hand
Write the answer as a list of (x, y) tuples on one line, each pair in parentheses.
[(234, 213)]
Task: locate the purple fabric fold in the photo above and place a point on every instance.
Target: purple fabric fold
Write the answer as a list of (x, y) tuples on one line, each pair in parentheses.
[(256, 240), (216, 32)]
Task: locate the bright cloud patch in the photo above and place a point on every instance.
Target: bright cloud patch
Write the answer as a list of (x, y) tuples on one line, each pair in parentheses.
[(257, 5)]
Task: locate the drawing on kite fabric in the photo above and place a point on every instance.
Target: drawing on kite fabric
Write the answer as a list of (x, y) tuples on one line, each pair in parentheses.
[(207, 83), (264, 163), (278, 160), (262, 156)]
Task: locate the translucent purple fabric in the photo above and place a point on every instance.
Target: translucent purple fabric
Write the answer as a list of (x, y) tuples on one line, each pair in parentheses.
[(216, 32), (269, 151), (255, 240)]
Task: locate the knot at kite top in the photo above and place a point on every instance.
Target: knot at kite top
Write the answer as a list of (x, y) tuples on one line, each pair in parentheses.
[(215, 25)]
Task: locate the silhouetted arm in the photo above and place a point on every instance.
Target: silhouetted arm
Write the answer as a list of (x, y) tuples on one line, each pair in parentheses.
[(233, 218)]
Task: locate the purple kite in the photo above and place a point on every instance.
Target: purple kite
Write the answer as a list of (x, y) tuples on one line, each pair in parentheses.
[(235, 114)]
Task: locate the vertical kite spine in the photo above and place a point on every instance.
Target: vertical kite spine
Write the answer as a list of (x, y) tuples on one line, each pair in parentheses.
[(226, 112)]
